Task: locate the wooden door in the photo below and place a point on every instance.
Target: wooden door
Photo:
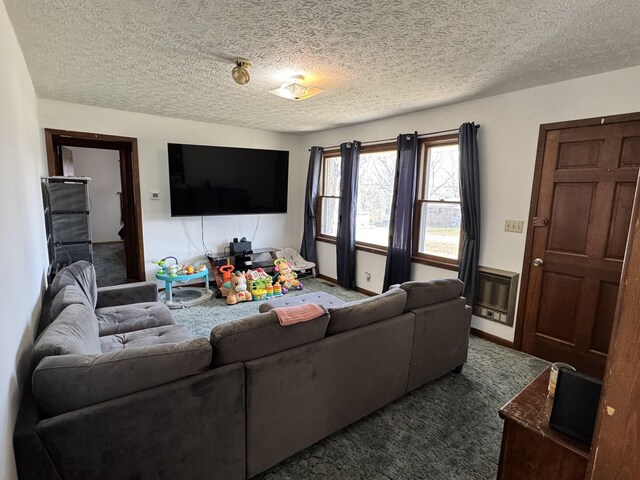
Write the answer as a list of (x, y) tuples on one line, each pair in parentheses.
[(583, 208)]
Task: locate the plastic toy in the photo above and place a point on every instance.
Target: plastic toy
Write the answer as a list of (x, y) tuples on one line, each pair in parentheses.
[(223, 276), (176, 269), (238, 289), (258, 282), (285, 276)]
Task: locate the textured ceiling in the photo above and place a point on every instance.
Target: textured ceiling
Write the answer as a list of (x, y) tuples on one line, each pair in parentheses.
[(375, 58)]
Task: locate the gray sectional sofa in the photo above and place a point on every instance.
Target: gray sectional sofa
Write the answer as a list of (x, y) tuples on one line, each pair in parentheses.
[(119, 391)]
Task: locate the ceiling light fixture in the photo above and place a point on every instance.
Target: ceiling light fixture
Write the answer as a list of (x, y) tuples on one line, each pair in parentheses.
[(295, 89), (240, 73)]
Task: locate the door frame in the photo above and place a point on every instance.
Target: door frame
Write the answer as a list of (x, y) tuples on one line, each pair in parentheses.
[(129, 177), (533, 206)]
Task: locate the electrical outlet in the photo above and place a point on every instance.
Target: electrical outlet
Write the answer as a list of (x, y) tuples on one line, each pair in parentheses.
[(367, 276), (154, 195), (514, 226)]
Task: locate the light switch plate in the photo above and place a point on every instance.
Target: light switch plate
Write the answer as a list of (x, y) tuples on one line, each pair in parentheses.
[(514, 226), (154, 195)]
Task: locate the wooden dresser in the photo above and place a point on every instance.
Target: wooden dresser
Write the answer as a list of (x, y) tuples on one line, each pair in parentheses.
[(531, 449)]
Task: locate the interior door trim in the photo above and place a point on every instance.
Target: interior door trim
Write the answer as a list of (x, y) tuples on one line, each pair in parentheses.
[(130, 177), (533, 206)]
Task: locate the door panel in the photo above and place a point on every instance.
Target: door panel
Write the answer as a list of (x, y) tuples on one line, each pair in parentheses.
[(569, 224), (587, 183), (619, 228), (603, 324), (579, 154), (559, 305)]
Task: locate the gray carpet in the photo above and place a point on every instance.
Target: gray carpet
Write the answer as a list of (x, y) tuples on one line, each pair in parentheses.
[(200, 319), (109, 262), (448, 429)]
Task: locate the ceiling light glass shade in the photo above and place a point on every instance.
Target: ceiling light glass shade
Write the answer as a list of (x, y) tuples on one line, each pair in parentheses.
[(294, 89), (240, 73)]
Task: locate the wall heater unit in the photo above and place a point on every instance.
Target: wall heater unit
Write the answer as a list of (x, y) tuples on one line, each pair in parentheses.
[(496, 295)]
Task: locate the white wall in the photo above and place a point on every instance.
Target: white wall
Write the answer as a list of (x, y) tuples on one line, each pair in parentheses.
[(181, 237), (103, 167), (22, 241), (507, 143)]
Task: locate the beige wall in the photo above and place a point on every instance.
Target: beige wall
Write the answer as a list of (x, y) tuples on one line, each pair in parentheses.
[(507, 142), (22, 241)]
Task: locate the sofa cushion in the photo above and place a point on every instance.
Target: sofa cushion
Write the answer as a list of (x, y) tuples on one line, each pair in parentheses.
[(69, 295), (421, 294), (261, 335), (366, 311), (144, 338), (81, 274), (137, 316), (319, 298), (75, 330), (68, 382)]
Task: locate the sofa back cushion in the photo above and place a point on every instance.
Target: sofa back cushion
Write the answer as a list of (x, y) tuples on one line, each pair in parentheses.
[(261, 335), (422, 294), (81, 274), (75, 330), (68, 382), (69, 295), (366, 311)]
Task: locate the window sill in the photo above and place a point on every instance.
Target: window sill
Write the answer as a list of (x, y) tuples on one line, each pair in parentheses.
[(383, 252)]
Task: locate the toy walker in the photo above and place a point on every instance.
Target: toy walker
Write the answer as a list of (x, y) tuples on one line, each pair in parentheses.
[(182, 297)]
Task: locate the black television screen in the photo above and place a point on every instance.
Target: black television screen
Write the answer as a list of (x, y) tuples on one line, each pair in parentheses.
[(207, 180)]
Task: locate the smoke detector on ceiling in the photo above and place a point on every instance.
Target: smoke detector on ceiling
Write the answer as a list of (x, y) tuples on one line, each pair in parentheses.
[(295, 89), (240, 72)]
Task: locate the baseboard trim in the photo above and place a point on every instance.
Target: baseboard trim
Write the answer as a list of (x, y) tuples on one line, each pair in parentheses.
[(491, 338), (364, 291)]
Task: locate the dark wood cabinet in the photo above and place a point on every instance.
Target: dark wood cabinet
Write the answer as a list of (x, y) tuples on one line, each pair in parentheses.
[(531, 449)]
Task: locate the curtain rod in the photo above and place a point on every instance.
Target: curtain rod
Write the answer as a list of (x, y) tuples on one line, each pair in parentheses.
[(373, 142)]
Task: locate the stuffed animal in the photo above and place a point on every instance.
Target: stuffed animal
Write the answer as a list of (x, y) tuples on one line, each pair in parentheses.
[(285, 276), (238, 289)]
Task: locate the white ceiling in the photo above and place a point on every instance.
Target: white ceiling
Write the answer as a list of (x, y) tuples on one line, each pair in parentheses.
[(375, 58)]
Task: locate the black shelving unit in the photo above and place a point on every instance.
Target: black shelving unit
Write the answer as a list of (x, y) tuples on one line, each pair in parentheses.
[(67, 220)]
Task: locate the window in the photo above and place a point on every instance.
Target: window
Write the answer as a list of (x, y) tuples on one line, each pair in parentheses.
[(376, 174), (329, 196), (438, 213), (437, 216)]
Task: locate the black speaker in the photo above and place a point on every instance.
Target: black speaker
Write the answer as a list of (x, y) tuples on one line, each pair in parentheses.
[(575, 404)]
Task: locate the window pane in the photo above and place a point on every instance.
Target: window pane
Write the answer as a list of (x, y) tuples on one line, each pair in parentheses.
[(376, 173), (442, 175), (329, 225), (332, 176), (440, 229)]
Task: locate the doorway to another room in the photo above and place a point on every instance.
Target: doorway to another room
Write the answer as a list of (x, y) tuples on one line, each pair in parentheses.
[(114, 195)]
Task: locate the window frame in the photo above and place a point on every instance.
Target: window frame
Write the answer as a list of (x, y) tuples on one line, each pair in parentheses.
[(321, 196), (420, 199), (416, 257)]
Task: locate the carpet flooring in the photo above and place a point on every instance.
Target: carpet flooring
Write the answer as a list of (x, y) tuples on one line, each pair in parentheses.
[(448, 429), (109, 262), (200, 319)]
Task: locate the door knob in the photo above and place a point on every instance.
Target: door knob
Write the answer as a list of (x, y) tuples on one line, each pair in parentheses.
[(537, 262)]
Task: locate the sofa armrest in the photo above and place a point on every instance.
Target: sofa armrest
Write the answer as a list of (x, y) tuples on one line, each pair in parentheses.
[(127, 293), (68, 382)]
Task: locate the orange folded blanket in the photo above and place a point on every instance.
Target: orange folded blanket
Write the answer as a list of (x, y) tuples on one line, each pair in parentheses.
[(298, 313)]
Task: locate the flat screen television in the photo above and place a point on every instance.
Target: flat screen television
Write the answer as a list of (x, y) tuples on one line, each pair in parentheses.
[(208, 180)]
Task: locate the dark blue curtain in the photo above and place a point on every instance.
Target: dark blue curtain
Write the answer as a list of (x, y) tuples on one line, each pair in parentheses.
[(346, 237), (308, 248), (470, 202), (398, 268)]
